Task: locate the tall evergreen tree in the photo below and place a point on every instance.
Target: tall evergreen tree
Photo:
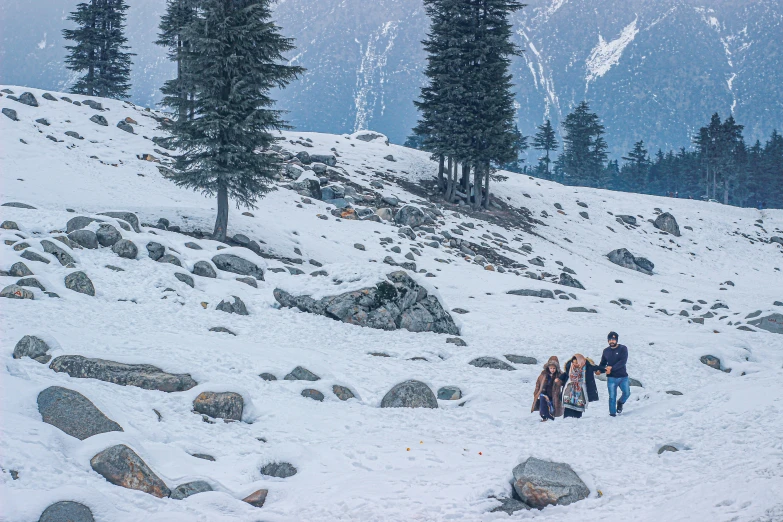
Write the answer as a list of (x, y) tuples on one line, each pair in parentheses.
[(178, 92), (545, 140), (584, 148), (99, 49), (639, 163), (237, 59)]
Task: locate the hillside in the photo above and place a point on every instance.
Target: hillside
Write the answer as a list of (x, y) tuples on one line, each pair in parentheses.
[(355, 460)]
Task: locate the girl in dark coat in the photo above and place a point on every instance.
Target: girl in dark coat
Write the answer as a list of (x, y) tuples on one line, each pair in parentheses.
[(580, 388), (546, 397)]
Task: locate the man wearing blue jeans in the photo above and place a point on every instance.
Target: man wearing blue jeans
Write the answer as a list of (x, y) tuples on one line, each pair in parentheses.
[(613, 363)]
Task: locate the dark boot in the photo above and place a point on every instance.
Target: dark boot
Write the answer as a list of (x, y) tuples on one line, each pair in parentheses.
[(619, 407)]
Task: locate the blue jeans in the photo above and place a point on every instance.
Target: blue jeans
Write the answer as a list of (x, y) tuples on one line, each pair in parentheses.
[(613, 383)]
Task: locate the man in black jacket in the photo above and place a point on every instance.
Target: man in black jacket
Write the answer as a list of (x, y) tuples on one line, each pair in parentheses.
[(613, 363)]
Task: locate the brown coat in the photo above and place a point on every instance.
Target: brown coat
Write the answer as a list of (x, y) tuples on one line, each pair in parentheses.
[(557, 388)]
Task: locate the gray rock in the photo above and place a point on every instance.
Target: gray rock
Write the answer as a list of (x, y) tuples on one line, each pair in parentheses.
[(582, 309), (667, 447), (622, 257), (32, 256), (521, 359), (204, 456), (567, 280), (257, 498), (62, 256), (510, 506), (47, 96), (310, 393), (78, 222), (100, 120), (585, 215), (667, 223), (390, 200), (125, 126), (185, 278), (16, 292), (17, 205), (268, 377), (128, 217), (371, 136), (776, 239), (9, 225), (31, 282), (673, 392), (449, 393), (634, 382), (279, 470), (143, 376), (170, 259), (221, 329), (237, 265), (73, 134), (225, 405), (540, 483), (410, 394), (204, 269), (121, 466), (237, 306), (84, 238), (125, 248), (409, 216), (66, 511), (79, 282), (189, 489), (399, 303), (328, 159), (10, 113), (309, 188), (19, 269), (342, 392), (193, 246), (93, 105), (456, 341), (28, 99), (73, 413), (32, 347), (491, 362), (771, 323), (301, 373), (711, 361), (293, 171)]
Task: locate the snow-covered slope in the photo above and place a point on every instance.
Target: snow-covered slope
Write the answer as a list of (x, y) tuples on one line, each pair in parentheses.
[(355, 460)]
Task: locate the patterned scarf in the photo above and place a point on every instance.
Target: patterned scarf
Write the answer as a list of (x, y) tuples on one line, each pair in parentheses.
[(574, 395)]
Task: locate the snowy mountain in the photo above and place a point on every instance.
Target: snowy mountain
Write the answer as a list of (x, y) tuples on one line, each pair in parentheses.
[(507, 279), (652, 70)]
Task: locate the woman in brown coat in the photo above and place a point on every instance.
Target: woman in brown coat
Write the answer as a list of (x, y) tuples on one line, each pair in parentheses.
[(547, 398)]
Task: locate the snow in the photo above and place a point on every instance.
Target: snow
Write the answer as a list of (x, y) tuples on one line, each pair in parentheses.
[(353, 457), (606, 55)]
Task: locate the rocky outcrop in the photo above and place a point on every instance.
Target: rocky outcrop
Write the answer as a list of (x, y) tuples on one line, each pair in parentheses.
[(540, 483), (121, 466), (224, 405), (143, 376), (667, 223), (73, 413), (410, 394), (399, 303), (622, 257)]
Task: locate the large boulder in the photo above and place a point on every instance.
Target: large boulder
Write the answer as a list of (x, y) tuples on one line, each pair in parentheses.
[(189, 489), (204, 269), (410, 394), (121, 466), (237, 265), (78, 222), (128, 217), (143, 376), (32, 347), (73, 413), (225, 405), (540, 483), (19, 269), (28, 99), (622, 257), (398, 303), (155, 250), (84, 238), (66, 511), (667, 223), (125, 248), (79, 282), (492, 363), (409, 216), (771, 323)]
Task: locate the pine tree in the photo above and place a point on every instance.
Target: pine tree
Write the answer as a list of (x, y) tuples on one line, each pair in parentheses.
[(584, 149), (99, 49), (520, 142), (178, 92), (639, 164), (237, 59), (545, 140)]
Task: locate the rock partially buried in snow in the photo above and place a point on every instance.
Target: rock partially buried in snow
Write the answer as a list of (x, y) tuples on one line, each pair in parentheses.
[(279, 470), (342, 392), (185, 278), (771, 323), (667, 223), (237, 265), (410, 394), (10, 113), (62, 256), (521, 359), (16, 204), (189, 489), (491, 362), (540, 484), (79, 282), (125, 248), (409, 216), (711, 361), (204, 269), (73, 413), (257, 498), (370, 136), (121, 466), (224, 405), (449, 393), (155, 250), (311, 393), (16, 292), (301, 374), (100, 120), (399, 303), (78, 223), (32, 347), (66, 511), (625, 259), (128, 217), (19, 269), (543, 293), (567, 280), (28, 99), (143, 376), (233, 306), (85, 238)]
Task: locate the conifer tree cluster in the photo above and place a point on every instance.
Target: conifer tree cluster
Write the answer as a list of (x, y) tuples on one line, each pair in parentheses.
[(467, 108), (99, 49), (230, 57)]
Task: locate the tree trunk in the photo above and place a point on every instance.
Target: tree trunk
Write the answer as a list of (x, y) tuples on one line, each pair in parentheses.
[(441, 181), (221, 223), (726, 191), (486, 187), (547, 163), (478, 175), (449, 179), (465, 177)]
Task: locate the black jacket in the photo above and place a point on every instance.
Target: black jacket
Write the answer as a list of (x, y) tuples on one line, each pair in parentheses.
[(616, 358), (592, 389)]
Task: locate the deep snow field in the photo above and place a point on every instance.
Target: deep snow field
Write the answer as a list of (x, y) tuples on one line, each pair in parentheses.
[(356, 461)]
